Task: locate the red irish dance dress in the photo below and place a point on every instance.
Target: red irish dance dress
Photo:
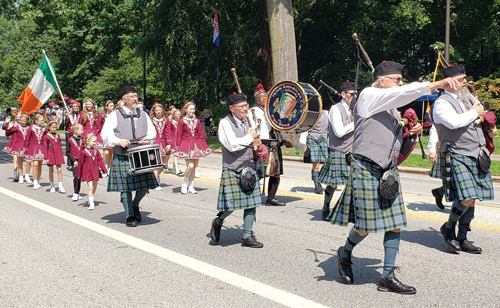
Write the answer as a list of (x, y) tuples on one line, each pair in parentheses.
[(54, 149), (93, 126), (163, 134), (89, 163), (191, 142), (34, 146)]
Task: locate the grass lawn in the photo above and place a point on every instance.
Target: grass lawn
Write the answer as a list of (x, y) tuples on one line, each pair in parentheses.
[(214, 144), (425, 139)]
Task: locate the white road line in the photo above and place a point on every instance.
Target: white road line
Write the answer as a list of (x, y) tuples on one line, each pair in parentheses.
[(277, 295)]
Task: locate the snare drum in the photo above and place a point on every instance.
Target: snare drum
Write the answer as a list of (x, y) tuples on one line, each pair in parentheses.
[(293, 106), (144, 158)]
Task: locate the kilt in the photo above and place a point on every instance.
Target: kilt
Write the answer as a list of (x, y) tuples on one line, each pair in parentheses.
[(232, 197), (436, 168), (318, 148), (336, 170), (120, 180), (468, 181), (260, 167), (361, 203)]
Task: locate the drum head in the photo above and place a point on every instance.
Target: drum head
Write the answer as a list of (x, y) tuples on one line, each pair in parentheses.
[(288, 104)]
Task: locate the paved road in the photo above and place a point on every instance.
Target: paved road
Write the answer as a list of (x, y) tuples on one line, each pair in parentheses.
[(57, 253)]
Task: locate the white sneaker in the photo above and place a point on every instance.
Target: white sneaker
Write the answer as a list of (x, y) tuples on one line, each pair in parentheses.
[(52, 189), (191, 190), (62, 190), (80, 197), (75, 197), (21, 179), (37, 186), (184, 189), (196, 174), (27, 179), (91, 206), (159, 188)]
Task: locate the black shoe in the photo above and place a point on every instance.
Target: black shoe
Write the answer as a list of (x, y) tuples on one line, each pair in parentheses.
[(325, 212), (131, 222), (16, 178), (450, 238), (215, 230), (345, 268), (137, 214), (275, 202), (251, 242), (467, 246), (438, 197), (392, 284), (318, 190)]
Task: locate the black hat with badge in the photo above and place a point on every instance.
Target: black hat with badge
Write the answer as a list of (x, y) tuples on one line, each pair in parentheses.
[(236, 98), (453, 70), (347, 86), (387, 68)]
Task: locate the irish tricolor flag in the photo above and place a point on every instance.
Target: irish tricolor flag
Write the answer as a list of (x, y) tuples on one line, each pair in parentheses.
[(40, 89)]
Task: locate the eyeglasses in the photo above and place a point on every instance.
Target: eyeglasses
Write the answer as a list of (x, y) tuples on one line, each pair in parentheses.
[(352, 94), (241, 107), (396, 80)]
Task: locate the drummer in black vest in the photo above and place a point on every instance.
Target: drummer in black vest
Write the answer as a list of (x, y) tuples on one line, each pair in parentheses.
[(463, 142), (273, 140), (341, 138), (372, 199), (239, 188), (128, 126)]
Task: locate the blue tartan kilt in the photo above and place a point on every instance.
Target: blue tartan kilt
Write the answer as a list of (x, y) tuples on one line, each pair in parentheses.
[(468, 181), (361, 203), (120, 180), (336, 170), (318, 148), (232, 197), (436, 168), (260, 168)]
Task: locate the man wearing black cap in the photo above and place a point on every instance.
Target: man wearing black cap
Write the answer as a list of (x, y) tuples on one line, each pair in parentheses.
[(455, 115), (372, 199), (272, 139), (341, 137), (122, 126), (239, 188)]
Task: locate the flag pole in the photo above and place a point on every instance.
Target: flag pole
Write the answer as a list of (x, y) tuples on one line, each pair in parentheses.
[(217, 61), (55, 79)]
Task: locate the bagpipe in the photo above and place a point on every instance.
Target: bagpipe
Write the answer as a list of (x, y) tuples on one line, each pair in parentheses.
[(408, 121), (259, 150), (488, 120)]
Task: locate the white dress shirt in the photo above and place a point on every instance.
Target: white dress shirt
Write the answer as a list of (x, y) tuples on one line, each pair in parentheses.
[(433, 139), (228, 138), (108, 134), (374, 100), (336, 120), (444, 113)]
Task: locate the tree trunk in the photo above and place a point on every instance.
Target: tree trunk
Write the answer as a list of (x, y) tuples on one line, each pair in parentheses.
[(264, 52), (282, 33)]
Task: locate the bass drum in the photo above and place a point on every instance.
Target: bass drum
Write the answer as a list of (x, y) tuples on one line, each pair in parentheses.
[(293, 106)]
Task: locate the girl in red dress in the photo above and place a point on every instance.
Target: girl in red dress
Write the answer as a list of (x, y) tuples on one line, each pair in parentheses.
[(35, 149), (16, 143), (176, 115), (92, 121), (190, 145), (107, 150), (88, 166), (54, 156), (162, 125)]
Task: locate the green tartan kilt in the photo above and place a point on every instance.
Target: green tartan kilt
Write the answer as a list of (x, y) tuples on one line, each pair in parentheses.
[(232, 197), (120, 180), (260, 168), (361, 203), (436, 168), (318, 148), (335, 171), (468, 181)]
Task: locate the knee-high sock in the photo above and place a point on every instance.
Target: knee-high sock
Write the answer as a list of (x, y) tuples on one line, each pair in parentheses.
[(223, 215), (77, 183), (352, 240), (272, 188), (314, 177), (248, 219), (138, 197), (126, 200), (457, 210), (464, 224), (329, 190), (391, 248)]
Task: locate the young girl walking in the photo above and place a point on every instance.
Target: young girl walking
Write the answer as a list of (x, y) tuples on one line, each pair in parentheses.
[(176, 115), (190, 145), (162, 125), (88, 167), (107, 150), (74, 147), (17, 129), (92, 122), (54, 156), (35, 148)]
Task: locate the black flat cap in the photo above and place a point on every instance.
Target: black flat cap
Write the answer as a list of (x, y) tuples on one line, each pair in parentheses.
[(387, 68), (127, 89), (347, 86), (236, 98), (453, 70)]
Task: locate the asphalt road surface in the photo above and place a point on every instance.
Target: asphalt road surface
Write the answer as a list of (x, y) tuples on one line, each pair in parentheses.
[(57, 253)]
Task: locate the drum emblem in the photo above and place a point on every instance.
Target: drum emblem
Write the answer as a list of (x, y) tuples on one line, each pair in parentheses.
[(152, 157)]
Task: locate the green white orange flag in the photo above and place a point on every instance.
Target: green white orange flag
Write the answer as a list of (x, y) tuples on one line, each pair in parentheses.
[(40, 89)]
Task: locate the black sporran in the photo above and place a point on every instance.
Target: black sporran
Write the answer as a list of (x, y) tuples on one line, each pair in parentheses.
[(484, 160), (389, 185), (248, 180), (348, 158)]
